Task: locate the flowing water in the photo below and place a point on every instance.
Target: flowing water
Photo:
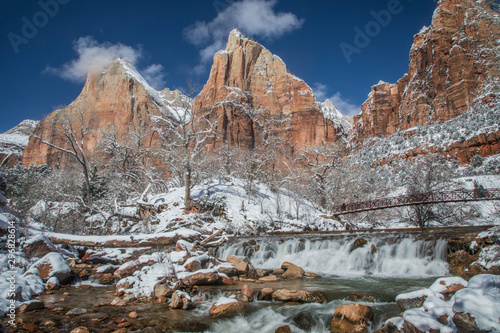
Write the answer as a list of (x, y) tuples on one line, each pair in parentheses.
[(381, 256), (385, 266)]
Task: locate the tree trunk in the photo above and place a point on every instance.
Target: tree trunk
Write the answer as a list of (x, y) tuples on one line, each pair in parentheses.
[(187, 183), (87, 184)]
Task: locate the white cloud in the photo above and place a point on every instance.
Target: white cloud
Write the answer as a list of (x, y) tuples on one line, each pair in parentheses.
[(345, 106), (155, 76), (321, 91), (93, 56), (253, 17)]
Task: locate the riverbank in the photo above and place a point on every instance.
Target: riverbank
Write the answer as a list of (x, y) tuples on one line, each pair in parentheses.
[(365, 268)]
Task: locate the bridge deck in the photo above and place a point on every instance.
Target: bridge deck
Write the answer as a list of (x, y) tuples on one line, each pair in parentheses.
[(418, 199)]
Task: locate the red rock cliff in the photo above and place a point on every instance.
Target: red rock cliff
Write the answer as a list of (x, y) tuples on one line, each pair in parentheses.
[(117, 99), (252, 94), (451, 63)]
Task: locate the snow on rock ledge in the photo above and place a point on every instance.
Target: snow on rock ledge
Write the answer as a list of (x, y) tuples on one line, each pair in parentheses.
[(52, 264), (475, 307)]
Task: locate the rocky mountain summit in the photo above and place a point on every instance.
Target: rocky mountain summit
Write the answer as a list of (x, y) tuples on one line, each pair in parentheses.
[(253, 98), (117, 101), (453, 65), (251, 92)]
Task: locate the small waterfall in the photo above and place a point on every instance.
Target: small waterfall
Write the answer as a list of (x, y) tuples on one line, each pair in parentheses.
[(406, 257)]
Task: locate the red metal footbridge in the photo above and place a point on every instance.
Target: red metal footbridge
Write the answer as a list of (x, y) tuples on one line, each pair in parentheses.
[(480, 194)]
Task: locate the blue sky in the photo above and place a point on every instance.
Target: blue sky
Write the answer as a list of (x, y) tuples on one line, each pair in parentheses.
[(47, 46)]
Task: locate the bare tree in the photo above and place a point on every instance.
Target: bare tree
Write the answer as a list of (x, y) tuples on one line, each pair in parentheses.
[(184, 134), (127, 161), (321, 160), (424, 174), (73, 129)]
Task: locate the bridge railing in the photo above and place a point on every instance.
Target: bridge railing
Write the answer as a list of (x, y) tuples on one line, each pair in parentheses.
[(418, 198)]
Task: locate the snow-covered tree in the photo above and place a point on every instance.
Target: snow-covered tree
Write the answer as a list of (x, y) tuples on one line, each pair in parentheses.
[(73, 129), (425, 174), (184, 134), (320, 161)]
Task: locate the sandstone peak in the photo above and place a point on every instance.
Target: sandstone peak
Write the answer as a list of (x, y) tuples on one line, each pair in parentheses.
[(249, 89), (117, 99), (451, 63), (235, 33)]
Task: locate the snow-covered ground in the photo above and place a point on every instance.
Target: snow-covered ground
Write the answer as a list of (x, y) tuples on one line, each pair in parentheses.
[(245, 211)]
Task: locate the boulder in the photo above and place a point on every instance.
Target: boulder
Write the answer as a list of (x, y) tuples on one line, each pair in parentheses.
[(181, 300), (243, 266), (193, 265), (242, 298), (240, 265), (388, 327), (228, 269), (52, 284), (201, 278), (38, 246), (106, 279), (126, 283), (283, 329), (163, 290), (304, 320), (226, 307), (117, 301), (105, 269), (360, 242), (93, 257), (129, 268), (183, 245), (226, 280), (353, 318), (362, 297), (265, 294), (196, 263), (300, 296), (269, 278), (465, 323), (292, 271), (262, 272), (52, 264), (248, 292), (31, 306), (413, 299), (80, 329), (311, 275)]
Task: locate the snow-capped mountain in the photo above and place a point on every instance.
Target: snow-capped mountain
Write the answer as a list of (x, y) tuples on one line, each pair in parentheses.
[(13, 142), (117, 101)]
